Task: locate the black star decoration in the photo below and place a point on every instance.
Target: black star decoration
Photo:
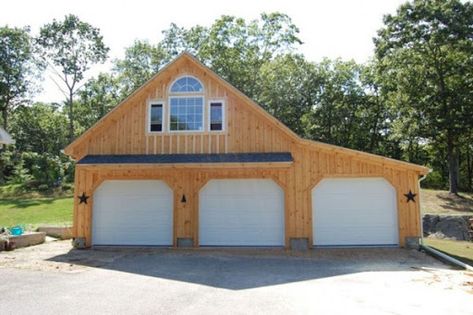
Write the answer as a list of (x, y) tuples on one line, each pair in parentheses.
[(83, 198), (410, 196)]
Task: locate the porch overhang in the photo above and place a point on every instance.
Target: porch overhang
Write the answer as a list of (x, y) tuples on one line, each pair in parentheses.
[(217, 160)]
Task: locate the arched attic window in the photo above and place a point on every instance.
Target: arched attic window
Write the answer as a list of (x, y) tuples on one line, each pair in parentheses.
[(187, 84), (186, 100)]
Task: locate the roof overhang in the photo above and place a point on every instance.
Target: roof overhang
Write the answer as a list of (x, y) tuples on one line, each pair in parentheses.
[(225, 160)]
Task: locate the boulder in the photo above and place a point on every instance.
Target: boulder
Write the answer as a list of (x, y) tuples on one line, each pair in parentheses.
[(429, 222), (448, 226)]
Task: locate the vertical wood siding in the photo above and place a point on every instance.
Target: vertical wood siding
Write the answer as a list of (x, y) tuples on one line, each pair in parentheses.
[(309, 168), (124, 131)]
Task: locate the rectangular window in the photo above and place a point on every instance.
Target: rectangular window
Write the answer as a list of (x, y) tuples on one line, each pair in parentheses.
[(216, 116), (186, 114), (156, 118)]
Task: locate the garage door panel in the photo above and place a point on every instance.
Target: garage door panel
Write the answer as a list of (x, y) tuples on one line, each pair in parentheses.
[(242, 212), (355, 211), (354, 237), (133, 212)]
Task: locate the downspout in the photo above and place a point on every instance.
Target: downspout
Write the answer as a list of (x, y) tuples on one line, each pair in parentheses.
[(433, 251), (421, 223)]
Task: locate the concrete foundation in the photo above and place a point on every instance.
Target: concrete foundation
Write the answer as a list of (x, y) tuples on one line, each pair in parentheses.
[(412, 242), (300, 243), (185, 242)]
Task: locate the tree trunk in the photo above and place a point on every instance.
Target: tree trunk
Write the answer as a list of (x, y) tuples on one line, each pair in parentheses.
[(71, 117), (452, 166), (5, 118), (469, 168)]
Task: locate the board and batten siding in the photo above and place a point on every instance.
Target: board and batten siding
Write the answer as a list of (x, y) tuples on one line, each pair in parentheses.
[(297, 180), (248, 129), (125, 131)]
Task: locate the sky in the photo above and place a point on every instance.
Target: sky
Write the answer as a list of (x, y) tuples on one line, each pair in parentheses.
[(329, 28)]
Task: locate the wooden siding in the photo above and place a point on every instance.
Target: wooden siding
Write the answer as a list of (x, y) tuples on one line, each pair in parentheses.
[(248, 129), (125, 131), (297, 180)]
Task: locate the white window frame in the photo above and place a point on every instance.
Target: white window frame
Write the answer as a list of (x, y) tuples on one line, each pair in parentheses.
[(163, 125), (186, 95), (224, 118)]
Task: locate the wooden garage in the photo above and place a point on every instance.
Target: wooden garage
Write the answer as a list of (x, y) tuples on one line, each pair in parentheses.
[(188, 160)]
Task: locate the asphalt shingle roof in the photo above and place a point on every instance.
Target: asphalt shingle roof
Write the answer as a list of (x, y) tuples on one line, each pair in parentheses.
[(187, 158)]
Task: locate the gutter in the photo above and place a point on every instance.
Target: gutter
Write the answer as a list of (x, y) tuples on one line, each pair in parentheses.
[(438, 254), (421, 223)]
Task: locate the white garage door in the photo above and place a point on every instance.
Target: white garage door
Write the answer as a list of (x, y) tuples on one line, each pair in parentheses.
[(355, 211), (241, 212), (132, 212)]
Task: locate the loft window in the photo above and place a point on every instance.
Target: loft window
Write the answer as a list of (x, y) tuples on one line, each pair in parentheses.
[(187, 114), (216, 116), (186, 105), (187, 85), (156, 117)]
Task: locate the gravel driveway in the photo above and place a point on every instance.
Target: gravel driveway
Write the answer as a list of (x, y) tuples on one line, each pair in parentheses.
[(53, 278)]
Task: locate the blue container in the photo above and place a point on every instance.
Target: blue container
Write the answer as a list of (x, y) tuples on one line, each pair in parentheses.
[(16, 230)]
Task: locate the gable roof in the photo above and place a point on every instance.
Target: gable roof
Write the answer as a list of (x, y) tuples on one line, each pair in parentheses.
[(273, 120)]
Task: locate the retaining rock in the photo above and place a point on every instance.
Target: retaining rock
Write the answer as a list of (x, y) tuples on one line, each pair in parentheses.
[(64, 233), (27, 239), (447, 226)]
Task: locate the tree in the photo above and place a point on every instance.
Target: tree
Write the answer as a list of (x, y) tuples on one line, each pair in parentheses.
[(232, 47), (289, 88), (72, 46), (236, 49), (40, 128), (16, 69), (141, 61), (338, 113), (424, 51), (97, 97)]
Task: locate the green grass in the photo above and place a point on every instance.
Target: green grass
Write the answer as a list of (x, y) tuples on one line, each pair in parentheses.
[(441, 202), (14, 191), (460, 250), (33, 212)]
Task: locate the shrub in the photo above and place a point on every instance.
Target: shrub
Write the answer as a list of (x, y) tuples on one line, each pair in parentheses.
[(434, 180)]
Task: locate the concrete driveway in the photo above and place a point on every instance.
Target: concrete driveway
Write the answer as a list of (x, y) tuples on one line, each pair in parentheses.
[(53, 278)]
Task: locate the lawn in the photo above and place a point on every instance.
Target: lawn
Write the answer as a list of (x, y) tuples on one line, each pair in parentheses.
[(460, 250), (36, 211), (440, 202)]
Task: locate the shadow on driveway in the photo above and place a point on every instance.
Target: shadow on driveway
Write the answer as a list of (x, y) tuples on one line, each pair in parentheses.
[(238, 269)]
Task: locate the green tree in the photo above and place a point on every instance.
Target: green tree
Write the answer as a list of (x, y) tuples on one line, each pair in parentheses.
[(289, 88), (237, 49), (40, 128), (70, 47), (424, 53), (17, 69), (340, 106), (97, 97), (232, 47), (142, 60)]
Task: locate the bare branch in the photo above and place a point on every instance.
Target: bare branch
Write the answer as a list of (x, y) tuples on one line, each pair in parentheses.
[(59, 87)]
